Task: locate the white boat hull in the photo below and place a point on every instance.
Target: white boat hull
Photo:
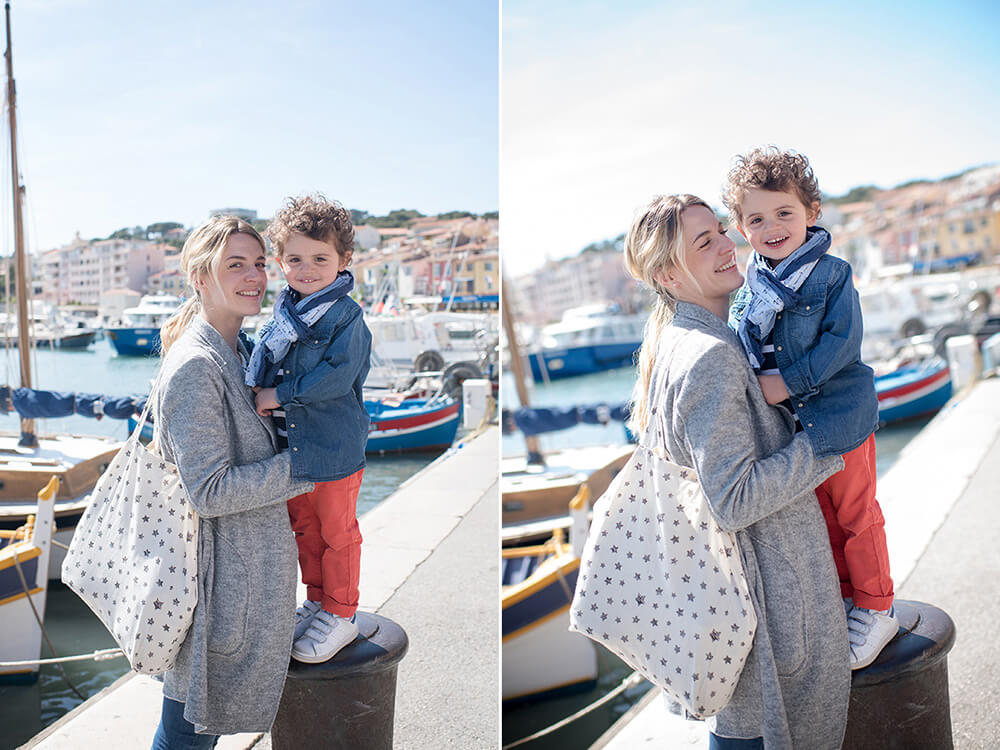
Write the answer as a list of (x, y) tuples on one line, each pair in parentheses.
[(547, 657)]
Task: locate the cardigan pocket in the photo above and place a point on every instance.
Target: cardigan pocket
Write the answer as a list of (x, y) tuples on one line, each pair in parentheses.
[(227, 618), (784, 607)]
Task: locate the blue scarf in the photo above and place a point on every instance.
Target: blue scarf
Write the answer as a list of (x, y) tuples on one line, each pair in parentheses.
[(294, 316), (774, 290)]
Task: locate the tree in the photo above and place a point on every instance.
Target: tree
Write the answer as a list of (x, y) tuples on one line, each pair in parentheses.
[(455, 215), (162, 227), (358, 216), (491, 215)]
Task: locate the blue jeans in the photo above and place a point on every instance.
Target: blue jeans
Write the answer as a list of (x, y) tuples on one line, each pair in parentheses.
[(177, 733), (731, 743)]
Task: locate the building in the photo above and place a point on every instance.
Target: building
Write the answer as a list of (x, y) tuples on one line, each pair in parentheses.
[(81, 271)]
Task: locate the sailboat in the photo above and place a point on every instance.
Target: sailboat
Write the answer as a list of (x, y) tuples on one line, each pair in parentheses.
[(29, 460)]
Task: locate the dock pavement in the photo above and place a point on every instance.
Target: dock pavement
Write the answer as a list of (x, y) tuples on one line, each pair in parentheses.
[(942, 517), (429, 562)]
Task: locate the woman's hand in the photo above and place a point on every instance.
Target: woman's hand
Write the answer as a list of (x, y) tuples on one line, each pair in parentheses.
[(774, 388), (265, 400)]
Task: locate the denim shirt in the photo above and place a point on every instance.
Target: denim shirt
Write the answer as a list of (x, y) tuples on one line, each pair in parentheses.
[(817, 344), (322, 395)]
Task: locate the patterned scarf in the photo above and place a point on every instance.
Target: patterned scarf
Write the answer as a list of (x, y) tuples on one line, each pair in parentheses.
[(774, 290), (293, 317)]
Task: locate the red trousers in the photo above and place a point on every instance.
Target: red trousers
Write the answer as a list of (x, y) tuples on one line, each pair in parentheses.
[(857, 529), (326, 529)]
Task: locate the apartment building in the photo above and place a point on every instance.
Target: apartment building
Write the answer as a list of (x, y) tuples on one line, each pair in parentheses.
[(80, 272)]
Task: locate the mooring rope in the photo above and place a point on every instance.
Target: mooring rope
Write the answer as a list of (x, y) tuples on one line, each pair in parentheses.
[(631, 681)]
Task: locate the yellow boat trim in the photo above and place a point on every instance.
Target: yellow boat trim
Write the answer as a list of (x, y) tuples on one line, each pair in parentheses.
[(16, 671), (10, 599), (521, 591), (25, 551), (535, 623)]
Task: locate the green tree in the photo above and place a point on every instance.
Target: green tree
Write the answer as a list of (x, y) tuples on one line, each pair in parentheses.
[(162, 227)]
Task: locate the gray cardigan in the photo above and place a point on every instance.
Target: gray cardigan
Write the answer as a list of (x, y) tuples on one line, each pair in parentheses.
[(231, 669), (759, 480)]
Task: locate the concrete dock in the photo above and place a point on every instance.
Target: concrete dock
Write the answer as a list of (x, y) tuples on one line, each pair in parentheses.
[(429, 562), (942, 517)]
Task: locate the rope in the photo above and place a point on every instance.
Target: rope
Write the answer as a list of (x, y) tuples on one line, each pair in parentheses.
[(38, 619), (631, 681), (59, 544), (102, 655)]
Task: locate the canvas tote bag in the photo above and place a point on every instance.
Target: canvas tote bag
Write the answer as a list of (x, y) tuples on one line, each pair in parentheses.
[(134, 554), (663, 587)]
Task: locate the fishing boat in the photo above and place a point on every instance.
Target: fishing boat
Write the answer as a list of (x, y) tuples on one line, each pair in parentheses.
[(28, 460), (591, 338), (139, 332), (24, 580), (412, 425), (49, 329), (540, 655), (913, 390)]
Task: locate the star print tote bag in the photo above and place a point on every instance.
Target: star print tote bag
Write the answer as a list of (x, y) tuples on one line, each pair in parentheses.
[(663, 587), (133, 558)]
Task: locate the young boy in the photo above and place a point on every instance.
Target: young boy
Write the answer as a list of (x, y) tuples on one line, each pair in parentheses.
[(799, 319), (308, 368)]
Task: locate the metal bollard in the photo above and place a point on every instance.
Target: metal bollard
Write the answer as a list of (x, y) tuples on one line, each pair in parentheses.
[(348, 701), (900, 701)]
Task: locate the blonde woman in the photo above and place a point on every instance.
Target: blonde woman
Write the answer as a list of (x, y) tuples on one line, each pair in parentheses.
[(231, 669), (704, 403)]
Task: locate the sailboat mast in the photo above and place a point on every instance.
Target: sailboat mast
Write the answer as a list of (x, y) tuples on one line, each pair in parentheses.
[(23, 318), (532, 445)]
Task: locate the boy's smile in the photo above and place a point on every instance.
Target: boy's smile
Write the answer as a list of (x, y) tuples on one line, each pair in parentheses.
[(775, 223), (310, 265)]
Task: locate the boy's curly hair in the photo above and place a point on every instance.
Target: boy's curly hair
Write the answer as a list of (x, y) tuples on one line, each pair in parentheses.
[(315, 217), (769, 168)]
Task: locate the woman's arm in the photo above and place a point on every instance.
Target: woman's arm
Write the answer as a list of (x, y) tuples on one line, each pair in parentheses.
[(196, 431), (349, 352), (712, 413)]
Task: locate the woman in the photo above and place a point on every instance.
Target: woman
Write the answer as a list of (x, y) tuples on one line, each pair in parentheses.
[(231, 669), (701, 398)]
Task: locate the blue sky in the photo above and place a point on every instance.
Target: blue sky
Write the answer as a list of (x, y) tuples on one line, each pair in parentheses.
[(135, 112), (606, 104)]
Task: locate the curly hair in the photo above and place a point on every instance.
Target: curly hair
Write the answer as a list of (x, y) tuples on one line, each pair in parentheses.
[(769, 168), (315, 217)]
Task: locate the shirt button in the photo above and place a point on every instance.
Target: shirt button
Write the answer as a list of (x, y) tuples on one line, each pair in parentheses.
[(779, 316), (779, 348), (808, 307), (808, 425), (291, 425), (800, 406), (316, 342), (295, 448)]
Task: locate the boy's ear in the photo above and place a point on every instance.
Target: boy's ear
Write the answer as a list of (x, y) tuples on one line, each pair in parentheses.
[(813, 213)]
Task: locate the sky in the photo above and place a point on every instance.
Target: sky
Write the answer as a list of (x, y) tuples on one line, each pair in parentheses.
[(606, 104), (131, 113)]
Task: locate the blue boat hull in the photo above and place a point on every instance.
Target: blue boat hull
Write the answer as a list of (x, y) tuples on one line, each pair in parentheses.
[(135, 342), (913, 391), (581, 360)]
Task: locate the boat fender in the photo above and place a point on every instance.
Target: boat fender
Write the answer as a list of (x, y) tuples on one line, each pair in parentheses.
[(428, 360)]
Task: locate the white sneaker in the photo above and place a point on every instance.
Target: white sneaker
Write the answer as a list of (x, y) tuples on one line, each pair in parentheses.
[(304, 616), (326, 635), (869, 631)]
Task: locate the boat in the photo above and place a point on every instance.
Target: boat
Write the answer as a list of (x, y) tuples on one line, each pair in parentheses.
[(24, 580), (29, 460), (49, 329), (412, 425), (541, 657), (138, 335), (590, 338), (913, 390)]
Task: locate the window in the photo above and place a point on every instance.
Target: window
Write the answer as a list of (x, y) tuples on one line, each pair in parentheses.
[(488, 265)]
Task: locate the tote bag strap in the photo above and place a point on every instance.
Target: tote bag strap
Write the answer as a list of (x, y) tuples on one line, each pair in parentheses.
[(153, 392), (649, 434)]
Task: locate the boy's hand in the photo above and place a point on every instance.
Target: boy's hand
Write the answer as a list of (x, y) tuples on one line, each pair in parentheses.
[(774, 388), (265, 400)]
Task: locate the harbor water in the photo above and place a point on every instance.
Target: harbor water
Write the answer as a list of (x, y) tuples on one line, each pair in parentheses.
[(27, 709), (611, 387)]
